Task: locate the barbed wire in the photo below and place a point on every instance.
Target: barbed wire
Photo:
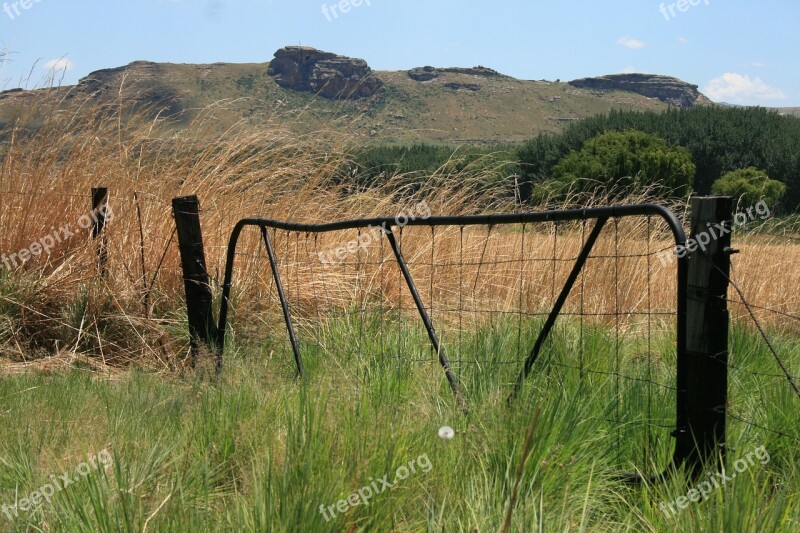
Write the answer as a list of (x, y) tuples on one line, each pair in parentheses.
[(763, 333)]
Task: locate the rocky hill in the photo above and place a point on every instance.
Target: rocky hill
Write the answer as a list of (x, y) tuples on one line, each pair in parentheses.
[(664, 88), (334, 77), (308, 89)]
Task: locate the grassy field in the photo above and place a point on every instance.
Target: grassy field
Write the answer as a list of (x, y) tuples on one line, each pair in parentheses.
[(95, 384), (261, 450)]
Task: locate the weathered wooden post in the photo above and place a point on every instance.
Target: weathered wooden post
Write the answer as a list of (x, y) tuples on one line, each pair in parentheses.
[(702, 443), (202, 329), (99, 210)]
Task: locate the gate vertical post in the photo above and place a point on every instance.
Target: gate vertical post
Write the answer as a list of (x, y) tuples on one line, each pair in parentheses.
[(701, 442)]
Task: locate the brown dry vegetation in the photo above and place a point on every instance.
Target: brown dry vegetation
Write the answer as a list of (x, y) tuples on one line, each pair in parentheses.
[(58, 305)]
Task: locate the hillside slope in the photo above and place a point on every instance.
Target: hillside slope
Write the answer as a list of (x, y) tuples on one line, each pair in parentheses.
[(457, 105)]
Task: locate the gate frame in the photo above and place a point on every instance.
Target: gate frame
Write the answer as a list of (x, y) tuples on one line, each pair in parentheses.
[(694, 446)]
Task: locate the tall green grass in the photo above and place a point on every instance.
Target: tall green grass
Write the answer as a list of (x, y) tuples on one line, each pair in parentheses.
[(262, 450)]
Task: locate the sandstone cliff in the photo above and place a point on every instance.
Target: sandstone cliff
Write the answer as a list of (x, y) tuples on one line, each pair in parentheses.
[(329, 75), (670, 90)]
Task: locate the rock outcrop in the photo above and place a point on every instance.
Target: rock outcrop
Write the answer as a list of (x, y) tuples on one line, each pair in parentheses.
[(11, 92), (429, 73), (667, 89), (143, 82), (102, 81), (473, 71), (474, 87), (332, 76), (423, 73)]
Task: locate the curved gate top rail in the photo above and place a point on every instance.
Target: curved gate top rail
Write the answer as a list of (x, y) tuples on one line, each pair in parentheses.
[(479, 220), (600, 214)]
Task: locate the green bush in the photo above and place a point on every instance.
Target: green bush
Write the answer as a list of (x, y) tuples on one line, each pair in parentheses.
[(625, 161), (749, 186)]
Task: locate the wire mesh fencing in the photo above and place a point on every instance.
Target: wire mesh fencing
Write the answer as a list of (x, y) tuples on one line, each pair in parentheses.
[(581, 299)]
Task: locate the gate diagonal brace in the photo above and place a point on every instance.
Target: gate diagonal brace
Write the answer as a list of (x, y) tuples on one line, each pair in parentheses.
[(287, 316), (562, 298), (426, 320)]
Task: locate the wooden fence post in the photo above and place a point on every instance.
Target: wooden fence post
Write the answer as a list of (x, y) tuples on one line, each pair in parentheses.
[(99, 209), (202, 329), (707, 321)]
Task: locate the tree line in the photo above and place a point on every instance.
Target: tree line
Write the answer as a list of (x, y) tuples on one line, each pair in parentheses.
[(680, 149), (719, 141)]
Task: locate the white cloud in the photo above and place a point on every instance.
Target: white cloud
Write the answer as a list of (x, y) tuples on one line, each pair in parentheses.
[(682, 41), (630, 42), (741, 88), (629, 70), (59, 64)]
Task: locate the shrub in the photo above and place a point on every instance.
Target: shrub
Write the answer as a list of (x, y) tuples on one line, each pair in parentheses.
[(626, 161), (749, 186)]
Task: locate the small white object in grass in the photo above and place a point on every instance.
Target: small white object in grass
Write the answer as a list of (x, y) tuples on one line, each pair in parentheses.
[(446, 432)]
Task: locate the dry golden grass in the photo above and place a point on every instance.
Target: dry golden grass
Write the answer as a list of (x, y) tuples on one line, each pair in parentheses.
[(766, 270), (58, 303)]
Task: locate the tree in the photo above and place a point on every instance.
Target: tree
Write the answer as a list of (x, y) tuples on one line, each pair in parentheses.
[(719, 138), (749, 186), (625, 161)]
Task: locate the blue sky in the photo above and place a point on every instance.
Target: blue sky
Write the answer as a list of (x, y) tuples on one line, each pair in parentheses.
[(738, 51)]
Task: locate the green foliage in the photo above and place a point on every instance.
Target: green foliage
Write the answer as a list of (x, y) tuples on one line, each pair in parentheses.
[(259, 450), (246, 83), (624, 161), (377, 161), (375, 164), (749, 186), (719, 139)]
